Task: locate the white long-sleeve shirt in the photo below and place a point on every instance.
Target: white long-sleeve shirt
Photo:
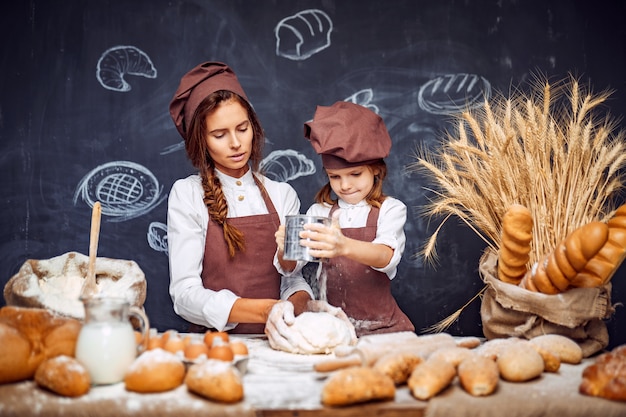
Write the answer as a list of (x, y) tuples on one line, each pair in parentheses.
[(187, 221), (390, 226)]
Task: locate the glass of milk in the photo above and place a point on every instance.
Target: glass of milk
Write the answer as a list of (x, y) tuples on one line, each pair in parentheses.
[(106, 343)]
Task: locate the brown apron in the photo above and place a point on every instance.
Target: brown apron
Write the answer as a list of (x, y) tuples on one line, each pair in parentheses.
[(362, 292), (249, 274)]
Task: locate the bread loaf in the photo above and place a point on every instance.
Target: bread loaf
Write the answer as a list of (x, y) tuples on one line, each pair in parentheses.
[(555, 272), (516, 235), (357, 385), (398, 366), (216, 380), (155, 370), (28, 336), (453, 355), (601, 267), (519, 362), (431, 377), (478, 375), (565, 348), (63, 375), (606, 377)]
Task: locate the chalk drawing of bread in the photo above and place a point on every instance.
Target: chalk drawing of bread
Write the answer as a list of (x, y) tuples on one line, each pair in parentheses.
[(363, 98), (125, 190), (157, 237), (285, 165), (303, 34), (118, 61), (452, 93)]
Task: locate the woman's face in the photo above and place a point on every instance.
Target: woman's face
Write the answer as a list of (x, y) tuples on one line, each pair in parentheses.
[(229, 138), (351, 184)]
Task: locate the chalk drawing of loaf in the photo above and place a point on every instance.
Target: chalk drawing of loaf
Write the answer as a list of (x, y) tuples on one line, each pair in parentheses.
[(124, 189), (453, 93), (287, 164), (118, 61), (157, 237), (364, 98), (302, 35)]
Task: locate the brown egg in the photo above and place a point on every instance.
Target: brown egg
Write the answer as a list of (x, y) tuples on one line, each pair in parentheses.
[(221, 352), (195, 349), (155, 341), (210, 336), (238, 347), (174, 343), (138, 337)]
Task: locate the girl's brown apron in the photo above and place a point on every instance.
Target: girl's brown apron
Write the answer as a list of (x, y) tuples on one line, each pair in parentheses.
[(362, 292), (250, 274)]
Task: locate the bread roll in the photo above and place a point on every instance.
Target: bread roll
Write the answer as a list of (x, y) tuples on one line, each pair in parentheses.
[(398, 366), (63, 375), (15, 364), (453, 355), (551, 361), (42, 335), (431, 377), (516, 235), (155, 370), (606, 377), (494, 347), (357, 385), (216, 380), (556, 271), (565, 348), (600, 268), (478, 375), (519, 362)]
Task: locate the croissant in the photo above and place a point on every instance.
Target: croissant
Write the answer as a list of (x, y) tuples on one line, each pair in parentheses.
[(514, 254), (556, 272), (600, 268)]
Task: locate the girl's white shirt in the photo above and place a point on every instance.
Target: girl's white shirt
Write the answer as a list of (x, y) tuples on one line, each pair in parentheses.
[(390, 227), (187, 221)]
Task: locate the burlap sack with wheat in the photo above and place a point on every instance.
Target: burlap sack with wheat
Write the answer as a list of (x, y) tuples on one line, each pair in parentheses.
[(511, 311)]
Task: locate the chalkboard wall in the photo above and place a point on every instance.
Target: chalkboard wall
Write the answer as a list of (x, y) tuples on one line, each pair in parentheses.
[(85, 87)]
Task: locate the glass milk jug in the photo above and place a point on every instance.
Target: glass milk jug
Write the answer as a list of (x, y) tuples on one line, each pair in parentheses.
[(106, 344)]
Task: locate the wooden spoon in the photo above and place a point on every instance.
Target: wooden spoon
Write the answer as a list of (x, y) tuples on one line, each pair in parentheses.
[(90, 288)]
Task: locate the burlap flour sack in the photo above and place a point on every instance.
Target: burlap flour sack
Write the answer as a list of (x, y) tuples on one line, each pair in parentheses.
[(510, 311)]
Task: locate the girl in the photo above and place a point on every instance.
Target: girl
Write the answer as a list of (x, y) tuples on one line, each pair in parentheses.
[(365, 241), (221, 277)]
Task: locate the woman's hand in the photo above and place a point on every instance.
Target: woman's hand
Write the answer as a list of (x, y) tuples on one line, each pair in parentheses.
[(323, 306)]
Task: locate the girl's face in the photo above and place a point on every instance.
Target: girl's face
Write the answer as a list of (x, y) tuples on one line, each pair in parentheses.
[(351, 184), (229, 138)]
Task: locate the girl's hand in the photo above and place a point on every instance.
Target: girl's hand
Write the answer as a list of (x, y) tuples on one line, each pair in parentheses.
[(324, 241)]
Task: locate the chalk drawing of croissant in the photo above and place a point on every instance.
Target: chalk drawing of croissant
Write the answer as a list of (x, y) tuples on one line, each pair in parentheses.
[(452, 93), (303, 34), (285, 165), (118, 61)]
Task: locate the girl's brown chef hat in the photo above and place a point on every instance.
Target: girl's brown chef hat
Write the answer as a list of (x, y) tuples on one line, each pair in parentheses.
[(347, 134), (195, 86)]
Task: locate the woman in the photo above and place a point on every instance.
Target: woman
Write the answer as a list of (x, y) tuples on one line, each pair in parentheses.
[(221, 221), (365, 241)]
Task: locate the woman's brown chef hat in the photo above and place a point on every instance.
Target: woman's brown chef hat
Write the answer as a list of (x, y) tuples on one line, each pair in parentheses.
[(195, 86), (347, 135)]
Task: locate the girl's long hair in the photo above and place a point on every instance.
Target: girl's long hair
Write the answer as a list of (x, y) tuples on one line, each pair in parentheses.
[(375, 197), (198, 153)]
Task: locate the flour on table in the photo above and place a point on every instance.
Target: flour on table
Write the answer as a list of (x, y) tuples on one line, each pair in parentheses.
[(319, 332)]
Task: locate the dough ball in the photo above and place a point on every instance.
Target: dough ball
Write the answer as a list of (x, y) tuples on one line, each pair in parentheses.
[(319, 332)]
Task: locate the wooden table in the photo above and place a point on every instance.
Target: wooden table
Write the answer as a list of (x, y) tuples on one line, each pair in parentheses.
[(279, 384)]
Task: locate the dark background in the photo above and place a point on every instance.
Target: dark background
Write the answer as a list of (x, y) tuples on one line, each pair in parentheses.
[(58, 122)]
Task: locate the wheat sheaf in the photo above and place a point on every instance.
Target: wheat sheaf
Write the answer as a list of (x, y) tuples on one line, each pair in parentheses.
[(554, 150)]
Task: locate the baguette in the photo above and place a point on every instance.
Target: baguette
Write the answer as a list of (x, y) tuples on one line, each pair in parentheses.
[(431, 377), (478, 375), (516, 235), (556, 272), (601, 267), (398, 366)]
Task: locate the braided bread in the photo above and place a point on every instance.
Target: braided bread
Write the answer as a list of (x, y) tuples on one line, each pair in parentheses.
[(517, 225), (556, 271), (603, 265)]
